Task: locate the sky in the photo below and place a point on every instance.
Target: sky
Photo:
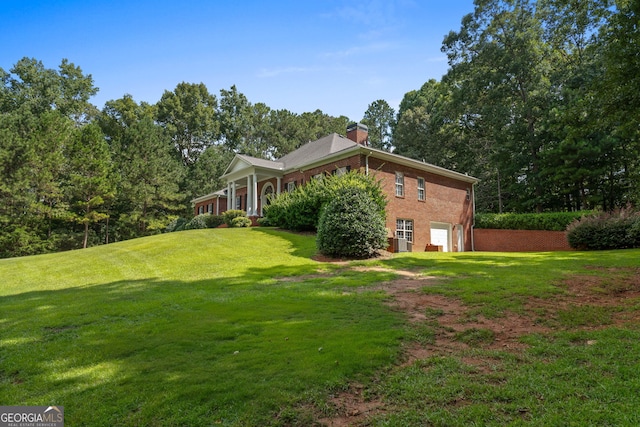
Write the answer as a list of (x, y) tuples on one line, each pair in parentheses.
[(338, 56)]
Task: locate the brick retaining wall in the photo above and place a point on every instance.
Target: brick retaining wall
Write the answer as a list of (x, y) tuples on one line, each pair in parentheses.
[(490, 240)]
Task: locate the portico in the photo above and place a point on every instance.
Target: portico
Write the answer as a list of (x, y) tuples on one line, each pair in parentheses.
[(246, 178)]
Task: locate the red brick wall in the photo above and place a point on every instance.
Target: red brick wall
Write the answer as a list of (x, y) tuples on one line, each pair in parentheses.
[(445, 202), (222, 205), (520, 240)]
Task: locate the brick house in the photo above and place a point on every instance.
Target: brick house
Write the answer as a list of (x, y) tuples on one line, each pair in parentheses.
[(428, 206)]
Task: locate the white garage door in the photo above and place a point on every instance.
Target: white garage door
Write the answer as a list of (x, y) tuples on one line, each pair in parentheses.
[(440, 236)]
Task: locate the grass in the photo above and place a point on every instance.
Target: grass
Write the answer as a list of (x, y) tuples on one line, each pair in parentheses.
[(195, 328), (240, 327)]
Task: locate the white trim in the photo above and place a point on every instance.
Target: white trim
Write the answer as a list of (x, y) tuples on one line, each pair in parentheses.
[(263, 196)]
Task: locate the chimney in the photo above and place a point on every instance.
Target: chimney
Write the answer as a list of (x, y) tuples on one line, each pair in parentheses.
[(359, 133)]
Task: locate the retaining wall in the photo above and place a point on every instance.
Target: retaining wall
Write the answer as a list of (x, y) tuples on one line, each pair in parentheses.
[(490, 240)]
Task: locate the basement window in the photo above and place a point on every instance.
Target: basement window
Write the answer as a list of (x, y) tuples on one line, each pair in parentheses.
[(404, 229)]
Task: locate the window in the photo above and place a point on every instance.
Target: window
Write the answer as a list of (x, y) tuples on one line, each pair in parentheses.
[(318, 176), (399, 184), (404, 229), (200, 210), (342, 170), (468, 194), (239, 202), (210, 208), (420, 188), (291, 186)]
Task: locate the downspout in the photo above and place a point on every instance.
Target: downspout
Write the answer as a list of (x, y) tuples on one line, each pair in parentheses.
[(473, 218), (366, 163)]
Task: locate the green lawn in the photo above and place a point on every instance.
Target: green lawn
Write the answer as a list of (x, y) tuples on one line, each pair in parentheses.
[(241, 327), (222, 326)]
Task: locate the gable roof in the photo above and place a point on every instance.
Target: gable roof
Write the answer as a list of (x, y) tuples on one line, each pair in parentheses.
[(316, 150), (326, 149)]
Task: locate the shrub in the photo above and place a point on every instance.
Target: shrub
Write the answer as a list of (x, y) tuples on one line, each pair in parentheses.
[(229, 215), (240, 221), (197, 222), (351, 225), (176, 224), (264, 222), (300, 209), (613, 230), (214, 221), (554, 221)]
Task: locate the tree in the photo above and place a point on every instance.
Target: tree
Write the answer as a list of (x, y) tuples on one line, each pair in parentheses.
[(235, 120), (31, 86), (89, 183), (189, 116), (379, 119), (148, 165), (38, 108), (619, 89), (499, 61)]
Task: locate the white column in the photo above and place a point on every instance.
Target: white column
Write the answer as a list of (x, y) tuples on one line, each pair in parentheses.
[(249, 196), (229, 195), (233, 195), (255, 194), (279, 185)]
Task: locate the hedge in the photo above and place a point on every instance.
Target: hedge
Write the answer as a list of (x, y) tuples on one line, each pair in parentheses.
[(555, 221), (612, 230)]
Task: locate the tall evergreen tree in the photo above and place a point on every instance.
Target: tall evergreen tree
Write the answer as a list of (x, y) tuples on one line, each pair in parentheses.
[(89, 182)]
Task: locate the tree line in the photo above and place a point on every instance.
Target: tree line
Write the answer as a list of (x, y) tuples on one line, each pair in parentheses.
[(74, 176), (541, 102)]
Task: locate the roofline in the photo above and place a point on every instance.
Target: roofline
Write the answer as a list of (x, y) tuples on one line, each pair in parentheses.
[(275, 170), (391, 157), (424, 166), (214, 195)]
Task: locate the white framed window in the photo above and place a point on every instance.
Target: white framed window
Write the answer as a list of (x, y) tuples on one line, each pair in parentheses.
[(404, 229), (399, 184), (342, 170), (210, 208), (291, 186), (238, 202), (421, 192), (318, 176), (200, 210)]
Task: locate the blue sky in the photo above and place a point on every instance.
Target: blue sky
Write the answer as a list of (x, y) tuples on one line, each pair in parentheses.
[(335, 55)]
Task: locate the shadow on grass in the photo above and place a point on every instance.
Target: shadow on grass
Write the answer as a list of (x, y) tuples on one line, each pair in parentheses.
[(149, 352)]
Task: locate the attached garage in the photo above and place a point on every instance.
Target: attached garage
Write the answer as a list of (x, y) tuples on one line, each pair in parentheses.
[(441, 235)]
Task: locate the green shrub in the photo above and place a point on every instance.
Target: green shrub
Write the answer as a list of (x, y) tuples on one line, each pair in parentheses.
[(300, 209), (229, 215), (264, 222), (240, 221), (176, 224), (613, 230), (351, 225), (214, 221), (197, 222), (554, 221)]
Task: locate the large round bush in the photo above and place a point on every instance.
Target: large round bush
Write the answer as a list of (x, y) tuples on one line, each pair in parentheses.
[(351, 225)]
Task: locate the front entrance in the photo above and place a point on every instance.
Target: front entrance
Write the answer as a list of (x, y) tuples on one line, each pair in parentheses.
[(441, 235), (265, 197)]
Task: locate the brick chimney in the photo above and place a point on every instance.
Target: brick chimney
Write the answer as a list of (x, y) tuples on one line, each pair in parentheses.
[(357, 132)]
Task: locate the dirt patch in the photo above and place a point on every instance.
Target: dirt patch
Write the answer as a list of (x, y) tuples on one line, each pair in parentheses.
[(617, 289)]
